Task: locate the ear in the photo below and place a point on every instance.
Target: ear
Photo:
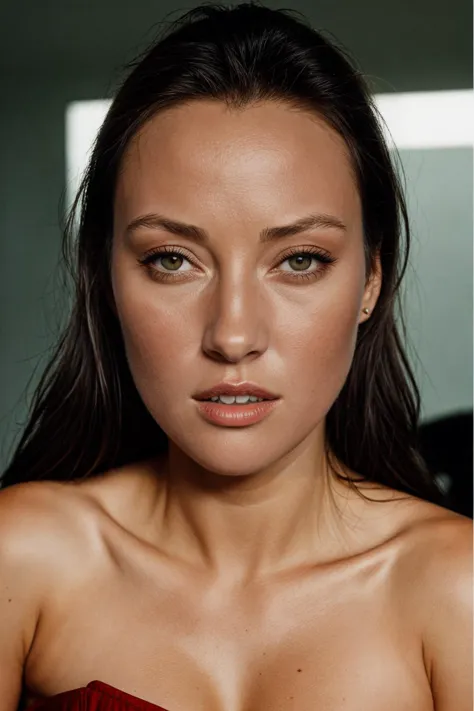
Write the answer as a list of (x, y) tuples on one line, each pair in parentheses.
[(372, 288)]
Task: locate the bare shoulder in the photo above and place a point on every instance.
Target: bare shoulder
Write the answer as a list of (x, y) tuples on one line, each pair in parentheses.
[(448, 614), (438, 579), (38, 531), (57, 522), (436, 542), (43, 526), (437, 537), (28, 512), (28, 523)]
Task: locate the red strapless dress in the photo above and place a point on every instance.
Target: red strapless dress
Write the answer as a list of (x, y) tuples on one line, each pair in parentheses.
[(96, 696)]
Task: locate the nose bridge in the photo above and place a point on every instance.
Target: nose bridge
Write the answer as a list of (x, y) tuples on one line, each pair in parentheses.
[(236, 323)]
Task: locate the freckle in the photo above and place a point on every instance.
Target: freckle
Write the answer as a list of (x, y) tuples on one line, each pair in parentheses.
[(9, 599)]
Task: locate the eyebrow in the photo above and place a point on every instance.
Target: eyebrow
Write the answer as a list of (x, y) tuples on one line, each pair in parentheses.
[(268, 234)]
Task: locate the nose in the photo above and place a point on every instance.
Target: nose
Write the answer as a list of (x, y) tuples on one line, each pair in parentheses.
[(236, 325)]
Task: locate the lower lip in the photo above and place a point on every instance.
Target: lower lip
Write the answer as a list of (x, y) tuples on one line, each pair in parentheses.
[(235, 415)]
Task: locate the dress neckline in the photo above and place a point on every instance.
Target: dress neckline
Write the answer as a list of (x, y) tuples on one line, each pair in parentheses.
[(111, 692), (117, 693)]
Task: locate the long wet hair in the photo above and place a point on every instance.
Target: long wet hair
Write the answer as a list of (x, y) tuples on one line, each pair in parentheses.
[(86, 415)]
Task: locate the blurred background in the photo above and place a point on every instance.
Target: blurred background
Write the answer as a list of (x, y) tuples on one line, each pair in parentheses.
[(53, 53)]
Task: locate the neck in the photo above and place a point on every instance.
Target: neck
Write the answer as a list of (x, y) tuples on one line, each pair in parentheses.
[(241, 528)]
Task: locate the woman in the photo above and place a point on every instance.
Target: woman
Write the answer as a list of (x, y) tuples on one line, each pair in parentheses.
[(167, 546)]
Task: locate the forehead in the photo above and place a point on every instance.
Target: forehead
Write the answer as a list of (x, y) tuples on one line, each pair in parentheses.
[(267, 161)]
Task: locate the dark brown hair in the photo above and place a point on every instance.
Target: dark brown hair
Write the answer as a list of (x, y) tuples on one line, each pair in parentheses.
[(86, 414)]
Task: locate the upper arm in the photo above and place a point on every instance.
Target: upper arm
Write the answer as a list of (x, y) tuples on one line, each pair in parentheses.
[(448, 617), (21, 582)]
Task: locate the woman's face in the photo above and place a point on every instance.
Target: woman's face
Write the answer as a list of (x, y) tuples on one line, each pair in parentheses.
[(230, 306)]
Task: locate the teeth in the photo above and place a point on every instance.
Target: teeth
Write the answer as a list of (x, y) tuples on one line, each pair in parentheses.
[(239, 400)]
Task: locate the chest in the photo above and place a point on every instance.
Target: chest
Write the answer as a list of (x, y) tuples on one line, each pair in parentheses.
[(334, 642)]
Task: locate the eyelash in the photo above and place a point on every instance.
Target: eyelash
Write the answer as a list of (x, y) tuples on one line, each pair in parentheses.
[(322, 256)]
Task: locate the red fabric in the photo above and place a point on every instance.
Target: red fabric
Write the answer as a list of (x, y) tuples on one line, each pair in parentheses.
[(96, 696)]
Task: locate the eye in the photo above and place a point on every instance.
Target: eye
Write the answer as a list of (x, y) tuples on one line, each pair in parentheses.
[(165, 263), (300, 260), (171, 260)]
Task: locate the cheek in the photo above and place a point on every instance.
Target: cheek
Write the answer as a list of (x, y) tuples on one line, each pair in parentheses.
[(161, 348), (154, 339), (317, 337), (157, 345), (319, 349)]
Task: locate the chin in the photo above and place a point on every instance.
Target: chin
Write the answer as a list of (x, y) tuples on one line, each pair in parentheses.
[(229, 459)]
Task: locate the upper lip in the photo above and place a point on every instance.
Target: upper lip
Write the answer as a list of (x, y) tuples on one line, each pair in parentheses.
[(245, 388)]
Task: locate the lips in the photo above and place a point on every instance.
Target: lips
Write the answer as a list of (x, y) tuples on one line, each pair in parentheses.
[(235, 389)]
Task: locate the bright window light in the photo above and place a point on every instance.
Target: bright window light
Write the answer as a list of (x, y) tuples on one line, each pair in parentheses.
[(429, 119), (83, 120)]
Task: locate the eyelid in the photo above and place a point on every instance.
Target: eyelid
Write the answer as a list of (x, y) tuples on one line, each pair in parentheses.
[(163, 248), (306, 249)]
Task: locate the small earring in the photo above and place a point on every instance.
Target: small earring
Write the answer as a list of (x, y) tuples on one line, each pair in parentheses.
[(366, 310)]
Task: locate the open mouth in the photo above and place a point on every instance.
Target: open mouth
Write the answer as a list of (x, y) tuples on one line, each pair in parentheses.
[(228, 393), (235, 400)]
